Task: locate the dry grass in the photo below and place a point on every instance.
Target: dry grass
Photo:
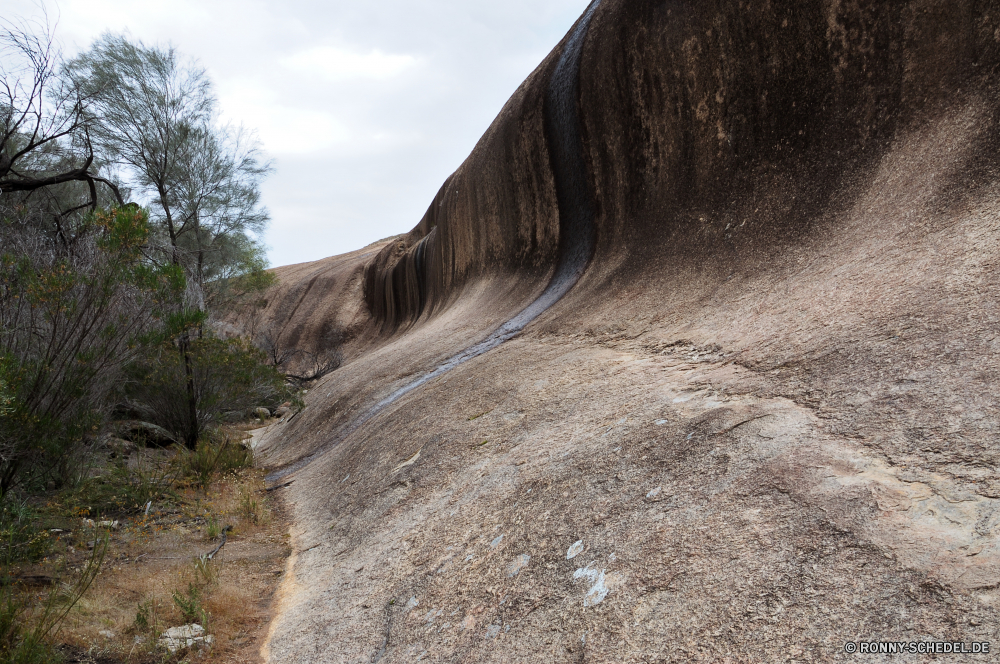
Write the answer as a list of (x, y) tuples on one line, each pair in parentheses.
[(153, 558)]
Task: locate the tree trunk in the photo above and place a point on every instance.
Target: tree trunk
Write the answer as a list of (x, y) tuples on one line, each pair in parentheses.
[(191, 435), (200, 273)]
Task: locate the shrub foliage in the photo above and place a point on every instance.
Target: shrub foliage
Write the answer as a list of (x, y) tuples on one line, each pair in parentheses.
[(70, 321), (222, 375)]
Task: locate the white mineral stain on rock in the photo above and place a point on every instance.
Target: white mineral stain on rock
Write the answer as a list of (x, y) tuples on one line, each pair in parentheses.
[(495, 543), (575, 550), (660, 423), (603, 584), (492, 631), (518, 564), (654, 492), (411, 604)]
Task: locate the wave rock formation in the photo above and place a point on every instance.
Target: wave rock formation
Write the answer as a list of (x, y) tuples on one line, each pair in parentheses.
[(694, 358)]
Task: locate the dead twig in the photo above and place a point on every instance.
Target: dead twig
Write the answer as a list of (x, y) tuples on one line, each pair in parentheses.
[(209, 556)]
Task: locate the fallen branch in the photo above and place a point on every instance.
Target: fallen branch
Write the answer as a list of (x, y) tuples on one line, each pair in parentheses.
[(209, 556)]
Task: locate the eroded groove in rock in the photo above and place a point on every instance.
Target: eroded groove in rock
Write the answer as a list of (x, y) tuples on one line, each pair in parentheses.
[(576, 230)]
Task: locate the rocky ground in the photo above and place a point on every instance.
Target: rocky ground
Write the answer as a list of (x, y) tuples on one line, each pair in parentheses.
[(152, 558)]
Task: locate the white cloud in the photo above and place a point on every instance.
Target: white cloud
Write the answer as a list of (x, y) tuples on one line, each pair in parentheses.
[(283, 129), (336, 64), (366, 106)]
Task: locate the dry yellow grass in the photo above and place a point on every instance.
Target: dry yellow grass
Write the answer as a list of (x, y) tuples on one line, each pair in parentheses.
[(150, 559)]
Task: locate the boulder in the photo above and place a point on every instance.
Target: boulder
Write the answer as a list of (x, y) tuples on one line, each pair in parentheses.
[(762, 422), (144, 433), (185, 636)]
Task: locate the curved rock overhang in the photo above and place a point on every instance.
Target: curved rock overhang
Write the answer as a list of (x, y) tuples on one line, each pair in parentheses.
[(693, 117)]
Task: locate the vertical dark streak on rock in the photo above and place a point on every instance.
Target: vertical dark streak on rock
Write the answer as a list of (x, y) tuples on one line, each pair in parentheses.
[(576, 230), (563, 131)]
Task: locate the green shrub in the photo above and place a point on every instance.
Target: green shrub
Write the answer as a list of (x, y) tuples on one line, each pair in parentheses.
[(186, 385), (21, 537), (25, 631), (212, 528), (69, 321), (145, 616), (124, 490), (16, 646), (251, 509), (190, 605), (215, 453)]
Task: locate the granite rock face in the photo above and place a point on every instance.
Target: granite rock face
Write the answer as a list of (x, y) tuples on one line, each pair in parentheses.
[(763, 423)]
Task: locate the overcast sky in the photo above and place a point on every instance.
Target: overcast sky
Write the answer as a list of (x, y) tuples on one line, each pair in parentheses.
[(365, 107)]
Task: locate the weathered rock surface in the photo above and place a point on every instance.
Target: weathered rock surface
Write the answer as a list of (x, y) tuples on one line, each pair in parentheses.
[(764, 421)]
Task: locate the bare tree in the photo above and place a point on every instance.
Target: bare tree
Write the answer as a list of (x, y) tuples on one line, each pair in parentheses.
[(297, 364), (316, 365), (44, 136)]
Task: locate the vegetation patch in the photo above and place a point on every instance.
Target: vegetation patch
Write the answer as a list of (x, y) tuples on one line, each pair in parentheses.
[(104, 581)]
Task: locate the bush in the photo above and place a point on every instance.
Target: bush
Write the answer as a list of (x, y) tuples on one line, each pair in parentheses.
[(16, 644), (190, 605), (21, 538), (251, 509), (186, 386), (70, 318), (216, 453), (25, 632), (124, 490)]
